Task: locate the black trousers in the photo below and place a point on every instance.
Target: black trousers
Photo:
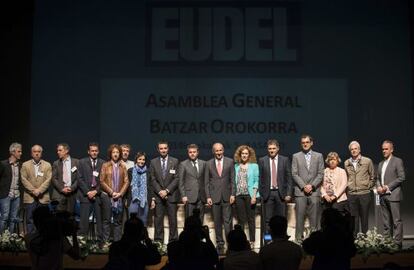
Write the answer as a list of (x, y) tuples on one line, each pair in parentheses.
[(246, 214), (222, 214), (340, 206), (86, 208), (359, 207), (161, 207), (274, 205)]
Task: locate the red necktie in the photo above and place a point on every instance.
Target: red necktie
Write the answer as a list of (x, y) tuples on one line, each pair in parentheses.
[(219, 168)]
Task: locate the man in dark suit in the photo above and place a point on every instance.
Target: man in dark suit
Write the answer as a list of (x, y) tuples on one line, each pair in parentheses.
[(389, 181), (275, 185), (164, 179), (307, 174), (220, 191), (89, 190), (64, 179), (191, 182), (9, 188)]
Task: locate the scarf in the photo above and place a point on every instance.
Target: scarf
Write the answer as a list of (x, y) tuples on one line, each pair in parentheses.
[(139, 185)]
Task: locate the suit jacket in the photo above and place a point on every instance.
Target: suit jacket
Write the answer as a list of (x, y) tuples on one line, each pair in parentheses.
[(393, 177), (6, 178), (85, 174), (191, 182), (170, 181), (284, 177), (57, 178), (150, 193), (302, 176), (362, 179), (106, 178), (252, 178), (31, 181), (217, 187)]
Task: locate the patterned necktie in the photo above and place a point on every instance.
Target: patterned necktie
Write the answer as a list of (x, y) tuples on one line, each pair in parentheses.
[(308, 160), (66, 174), (219, 168), (274, 174)]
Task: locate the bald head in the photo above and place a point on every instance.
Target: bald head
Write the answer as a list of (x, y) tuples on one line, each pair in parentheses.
[(37, 152), (218, 150)]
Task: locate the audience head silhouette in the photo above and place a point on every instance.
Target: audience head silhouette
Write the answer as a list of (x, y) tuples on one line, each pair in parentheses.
[(237, 239), (278, 227), (192, 223), (133, 229)]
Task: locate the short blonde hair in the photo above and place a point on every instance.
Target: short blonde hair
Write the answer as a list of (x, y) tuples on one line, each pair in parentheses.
[(332, 155), (252, 154)]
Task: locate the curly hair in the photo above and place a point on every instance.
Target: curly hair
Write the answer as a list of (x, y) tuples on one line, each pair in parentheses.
[(111, 148), (252, 154)]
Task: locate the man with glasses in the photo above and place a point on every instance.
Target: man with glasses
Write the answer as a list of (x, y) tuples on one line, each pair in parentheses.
[(307, 173)]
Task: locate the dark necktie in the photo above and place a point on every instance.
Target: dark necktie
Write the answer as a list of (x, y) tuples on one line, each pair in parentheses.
[(195, 167), (163, 168), (93, 184)]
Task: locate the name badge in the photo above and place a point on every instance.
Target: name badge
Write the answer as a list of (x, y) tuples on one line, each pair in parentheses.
[(95, 173), (74, 169), (40, 174), (172, 171)]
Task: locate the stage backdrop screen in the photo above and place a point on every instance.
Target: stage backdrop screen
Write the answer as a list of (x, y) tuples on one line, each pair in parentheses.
[(231, 71)]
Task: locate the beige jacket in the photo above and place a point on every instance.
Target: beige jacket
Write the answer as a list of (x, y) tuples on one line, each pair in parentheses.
[(339, 182), (361, 180), (31, 181)]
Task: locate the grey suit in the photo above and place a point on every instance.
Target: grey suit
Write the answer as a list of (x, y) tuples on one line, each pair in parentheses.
[(390, 203), (170, 182), (66, 201), (219, 189), (191, 185), (305, 203)]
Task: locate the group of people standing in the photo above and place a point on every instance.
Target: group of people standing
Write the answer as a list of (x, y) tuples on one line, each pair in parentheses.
[(109, 188)]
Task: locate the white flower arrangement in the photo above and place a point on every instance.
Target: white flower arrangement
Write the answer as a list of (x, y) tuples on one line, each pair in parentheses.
[(374, 243), (88, 246), (11, 242), (161, 247)]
